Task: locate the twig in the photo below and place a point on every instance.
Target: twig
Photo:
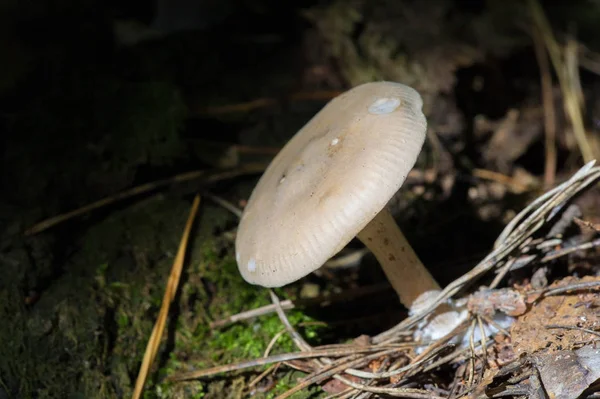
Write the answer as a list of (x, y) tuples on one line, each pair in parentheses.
[(349, 350), (509, 182), (172, 284), (321, 376), (589, 59), (288, 304), (272, 368), (586, 330), (566, 219), (322, 95), (454, 356), (145, 188), (548, 103), (564, 64), (503, 272), (566, 251), (273, 341), (399, 392), (249, 149), (471, 378), (483, 342), (592, 226), (587, 286), (497, 326), (393, 373), (346, 393), (225, 204), (297, 338), (263, 310)]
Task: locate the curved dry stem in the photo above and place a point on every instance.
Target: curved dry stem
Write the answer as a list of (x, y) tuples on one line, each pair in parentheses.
[(401, 265)]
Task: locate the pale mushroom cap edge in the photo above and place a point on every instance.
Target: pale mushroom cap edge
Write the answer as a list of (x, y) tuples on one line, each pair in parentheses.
[(329, 181)]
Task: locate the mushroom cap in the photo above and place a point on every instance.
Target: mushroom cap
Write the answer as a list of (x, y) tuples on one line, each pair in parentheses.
[(329, 181)]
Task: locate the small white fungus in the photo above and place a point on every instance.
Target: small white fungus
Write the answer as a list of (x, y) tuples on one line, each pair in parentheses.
[(251, 265), (335, 141), (384, 105)]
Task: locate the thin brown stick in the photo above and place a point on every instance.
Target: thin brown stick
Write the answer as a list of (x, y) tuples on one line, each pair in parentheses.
[(225, 204), (258, 103), (585, 330), (549, 112), (262, 375), (570, 288), (263, 310), (273, 342), (350, 350), (170, 291), (288, 304), (589, 59), (411, 393), (567, 79), (248, 149), (344, 394), (300, 342), (512, 184), (321, 376), (393, 372), (587, 224), (503, 272), (238, 107), (454, 357), (209, 177), (565, 251), (471, 364), (483, 342)]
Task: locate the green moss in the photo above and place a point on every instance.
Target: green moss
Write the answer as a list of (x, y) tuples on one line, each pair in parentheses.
[(249, 340), (197, 346), (87, 334)]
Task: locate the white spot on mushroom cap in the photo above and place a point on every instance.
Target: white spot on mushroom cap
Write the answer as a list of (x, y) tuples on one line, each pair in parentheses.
[(335, 141), (251, 265), (385, 105)]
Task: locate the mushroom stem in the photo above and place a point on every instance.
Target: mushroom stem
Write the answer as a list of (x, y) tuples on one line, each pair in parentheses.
[(401, 265)]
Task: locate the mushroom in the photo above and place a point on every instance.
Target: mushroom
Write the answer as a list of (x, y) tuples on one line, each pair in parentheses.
[(330, 183)]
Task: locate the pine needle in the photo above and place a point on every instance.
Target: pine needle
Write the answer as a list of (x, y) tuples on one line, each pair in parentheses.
[(566, 68), (172, 284), (549, 112), (205, 176)]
